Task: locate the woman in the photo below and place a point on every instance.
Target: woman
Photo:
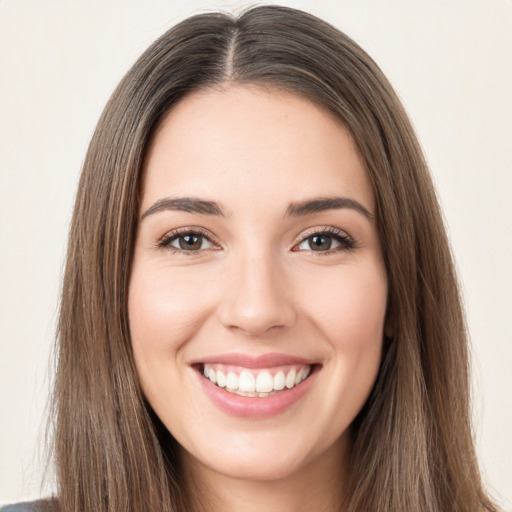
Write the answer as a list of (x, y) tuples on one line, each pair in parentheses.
[(259, 307)]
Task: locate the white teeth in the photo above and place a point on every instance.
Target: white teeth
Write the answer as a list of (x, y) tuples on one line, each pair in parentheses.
[(264, 383), (261, 385), (221, 379), (252, 395), (246, 382), (290, 379), (232, 380), (279, 381), (302, 375)]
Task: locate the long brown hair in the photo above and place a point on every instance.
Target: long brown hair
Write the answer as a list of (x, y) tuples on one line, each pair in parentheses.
[(413, 448)]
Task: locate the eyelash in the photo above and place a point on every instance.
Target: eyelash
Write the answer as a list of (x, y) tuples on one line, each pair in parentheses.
[(345, 241), (165, 242)]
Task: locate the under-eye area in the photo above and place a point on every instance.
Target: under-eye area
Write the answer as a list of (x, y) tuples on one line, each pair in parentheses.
[(254, 382)]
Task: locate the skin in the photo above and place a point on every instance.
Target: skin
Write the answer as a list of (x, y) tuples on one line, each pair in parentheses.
[(257, 286)]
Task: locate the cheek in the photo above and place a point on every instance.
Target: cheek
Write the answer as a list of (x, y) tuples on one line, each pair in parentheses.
[(164, 311), (353, 323), (351, 309), (351, 316)]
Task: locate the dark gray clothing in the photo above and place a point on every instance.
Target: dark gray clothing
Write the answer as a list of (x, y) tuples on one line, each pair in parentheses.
[(32, 506)]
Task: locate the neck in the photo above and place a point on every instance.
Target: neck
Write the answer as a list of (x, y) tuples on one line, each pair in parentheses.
[(319, 485)]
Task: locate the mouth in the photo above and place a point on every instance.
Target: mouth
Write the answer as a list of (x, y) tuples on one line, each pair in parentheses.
[(255, 382), (256, 387)]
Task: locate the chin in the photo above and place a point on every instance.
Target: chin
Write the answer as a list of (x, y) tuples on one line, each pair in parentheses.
[(261, 457), (256, 467)]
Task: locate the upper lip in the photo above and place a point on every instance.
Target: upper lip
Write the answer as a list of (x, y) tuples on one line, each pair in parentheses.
[(269, 360)]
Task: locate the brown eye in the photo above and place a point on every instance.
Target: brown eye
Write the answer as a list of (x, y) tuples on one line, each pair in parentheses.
[(319, 242), (190, 242), (326, 241)]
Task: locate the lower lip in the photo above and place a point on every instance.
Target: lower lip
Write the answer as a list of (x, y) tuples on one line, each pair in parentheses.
[(253, 407)]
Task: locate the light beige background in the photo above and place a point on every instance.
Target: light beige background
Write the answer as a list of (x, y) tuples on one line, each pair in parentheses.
[(451, 63)]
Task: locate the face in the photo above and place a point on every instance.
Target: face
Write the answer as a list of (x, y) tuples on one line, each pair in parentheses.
[(258, 291)]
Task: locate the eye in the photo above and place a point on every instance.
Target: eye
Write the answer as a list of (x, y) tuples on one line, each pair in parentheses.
[(186, 241), (326, 240)]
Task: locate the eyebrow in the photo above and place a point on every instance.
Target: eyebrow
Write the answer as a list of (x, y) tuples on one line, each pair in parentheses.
[(185, 204), (321, 204), (296, 209)]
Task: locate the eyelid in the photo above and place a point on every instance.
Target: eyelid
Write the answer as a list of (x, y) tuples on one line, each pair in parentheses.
[(165, 240), (346, 241)]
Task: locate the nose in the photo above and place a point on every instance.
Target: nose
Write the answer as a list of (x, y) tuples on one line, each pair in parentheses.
[(257, 297)]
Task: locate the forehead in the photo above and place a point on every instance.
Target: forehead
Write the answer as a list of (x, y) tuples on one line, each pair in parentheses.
[(247, 144)]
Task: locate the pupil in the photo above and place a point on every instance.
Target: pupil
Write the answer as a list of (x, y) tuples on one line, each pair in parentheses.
[(189, 242), (320, 242)]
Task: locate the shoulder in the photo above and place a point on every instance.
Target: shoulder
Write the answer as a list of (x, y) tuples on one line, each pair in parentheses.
[(32, 506)]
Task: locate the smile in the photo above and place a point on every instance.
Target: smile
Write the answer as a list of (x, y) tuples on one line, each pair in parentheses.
[(253, 382), (256, 387)]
